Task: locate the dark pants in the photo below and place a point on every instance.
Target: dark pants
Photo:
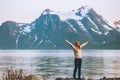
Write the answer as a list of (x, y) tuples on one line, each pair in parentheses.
[(77, 66)]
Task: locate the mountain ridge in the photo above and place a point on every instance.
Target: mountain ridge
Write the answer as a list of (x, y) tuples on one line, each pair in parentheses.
[(50, 29)]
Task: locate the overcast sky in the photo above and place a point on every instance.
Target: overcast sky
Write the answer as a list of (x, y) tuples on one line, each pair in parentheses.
[(28, 10)]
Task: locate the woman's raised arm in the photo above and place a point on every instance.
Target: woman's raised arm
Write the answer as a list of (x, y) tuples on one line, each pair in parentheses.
[(84, 44), (67, 41)]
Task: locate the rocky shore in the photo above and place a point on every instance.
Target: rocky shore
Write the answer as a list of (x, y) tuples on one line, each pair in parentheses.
[(11, 74), (84, 78)]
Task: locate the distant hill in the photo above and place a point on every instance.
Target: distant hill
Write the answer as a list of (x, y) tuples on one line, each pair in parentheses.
[(50, 29)]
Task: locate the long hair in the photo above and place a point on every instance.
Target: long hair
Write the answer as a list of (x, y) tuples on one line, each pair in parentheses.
[(77, 44)]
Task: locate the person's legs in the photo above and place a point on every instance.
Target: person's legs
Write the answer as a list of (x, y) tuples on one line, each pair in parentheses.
[(79, 68), (75, 68)]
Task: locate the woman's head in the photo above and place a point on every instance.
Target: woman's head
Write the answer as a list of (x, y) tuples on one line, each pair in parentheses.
[(77, 44)]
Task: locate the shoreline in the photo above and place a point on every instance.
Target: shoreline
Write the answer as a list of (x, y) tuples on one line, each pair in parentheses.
[(87, 78), (13, 74)]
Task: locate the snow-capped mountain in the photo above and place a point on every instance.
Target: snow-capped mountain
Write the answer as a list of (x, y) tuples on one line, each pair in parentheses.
[(52, 27)]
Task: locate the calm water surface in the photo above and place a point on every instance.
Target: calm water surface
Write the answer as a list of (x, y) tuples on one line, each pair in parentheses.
[(59, 63)]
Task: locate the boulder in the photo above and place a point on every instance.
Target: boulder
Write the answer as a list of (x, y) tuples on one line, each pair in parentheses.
[(31, 77), (59, 78)]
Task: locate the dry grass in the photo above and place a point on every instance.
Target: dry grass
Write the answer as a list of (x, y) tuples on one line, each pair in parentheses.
[(11, 74)]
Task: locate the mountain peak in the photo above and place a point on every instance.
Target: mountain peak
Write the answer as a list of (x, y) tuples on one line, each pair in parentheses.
[(47, 11), (117, 23), (82, 11), (84, 7)]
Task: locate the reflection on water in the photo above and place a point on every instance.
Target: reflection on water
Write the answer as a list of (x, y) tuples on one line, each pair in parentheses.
[(96, 63)]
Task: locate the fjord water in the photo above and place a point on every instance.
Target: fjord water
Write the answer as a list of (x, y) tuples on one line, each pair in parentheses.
[(60, 63)]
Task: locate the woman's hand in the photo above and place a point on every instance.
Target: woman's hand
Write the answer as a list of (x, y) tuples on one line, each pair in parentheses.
[(66, 40)]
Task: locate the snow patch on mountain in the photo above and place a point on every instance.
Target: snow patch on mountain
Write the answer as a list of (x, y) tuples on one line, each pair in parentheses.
[(27, 29), (39, 42), (117, 27), (107, 27), (21, 24), (71, 26), (96, 31), (65, 15), (81, 26), (17, 41), (93, 23), (106, 32)]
